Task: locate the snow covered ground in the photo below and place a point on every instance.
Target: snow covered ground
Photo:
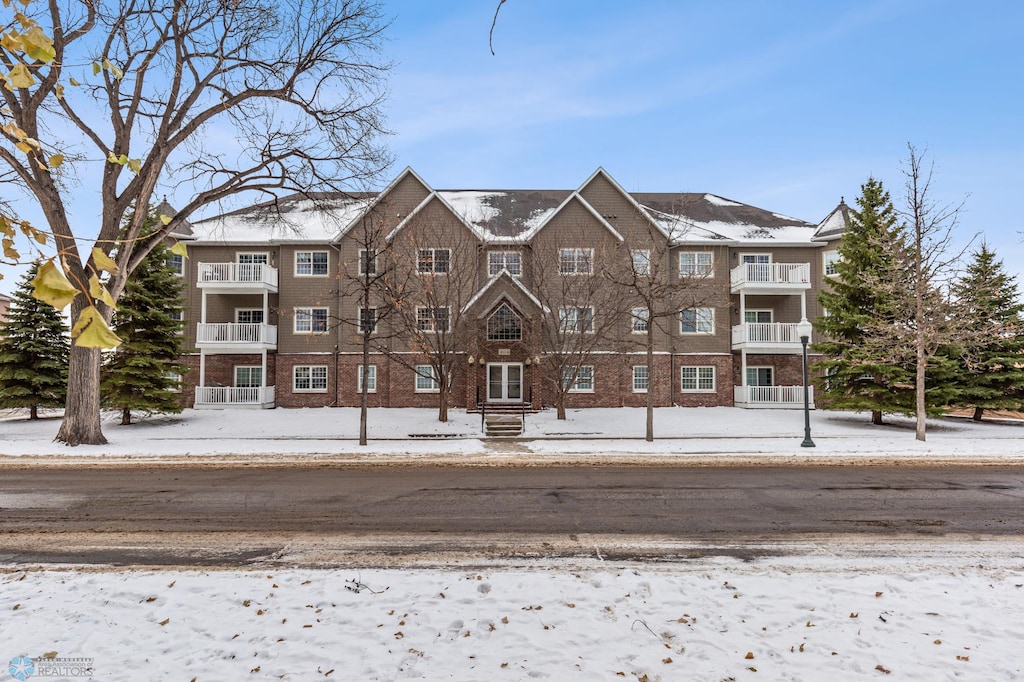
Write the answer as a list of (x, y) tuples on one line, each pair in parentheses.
[(929, 609), (714, 432), (846, 618)]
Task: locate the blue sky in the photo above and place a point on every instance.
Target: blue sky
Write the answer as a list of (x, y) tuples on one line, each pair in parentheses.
[(787, 106)]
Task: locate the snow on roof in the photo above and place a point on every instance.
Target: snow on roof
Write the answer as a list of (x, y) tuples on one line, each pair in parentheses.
[(504, 215), (720, 201), (835, 223), (708, 218), (292, 218)]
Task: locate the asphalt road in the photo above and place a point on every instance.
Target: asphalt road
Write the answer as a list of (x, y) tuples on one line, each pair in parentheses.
[(232, 515)]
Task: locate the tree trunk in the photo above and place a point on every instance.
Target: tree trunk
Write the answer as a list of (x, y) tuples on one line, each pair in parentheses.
[(81, 423), (126, 417), (560, 406), (442, 403), (919, 388), (876, 417), (977, 413), (33, 412), (650, 384)]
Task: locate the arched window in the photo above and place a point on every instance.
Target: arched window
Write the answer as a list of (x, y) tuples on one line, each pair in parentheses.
[(504, 325)]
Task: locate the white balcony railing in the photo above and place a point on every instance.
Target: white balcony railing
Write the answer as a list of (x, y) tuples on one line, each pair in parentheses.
[(794, 275), (766, 333), (234, 396), (236, 334), (771, 396), (253, 275)]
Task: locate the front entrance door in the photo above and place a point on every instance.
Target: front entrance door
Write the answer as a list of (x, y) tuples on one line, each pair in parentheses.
[(504, 382)]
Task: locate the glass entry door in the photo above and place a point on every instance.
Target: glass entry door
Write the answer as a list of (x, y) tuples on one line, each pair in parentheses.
[(504, 382)]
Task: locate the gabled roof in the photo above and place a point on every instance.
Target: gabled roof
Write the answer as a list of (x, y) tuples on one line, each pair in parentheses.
[(434, 195), (505, 277), (507, 215), (834, 224), (586, 205), (626, 195), (383, 193)]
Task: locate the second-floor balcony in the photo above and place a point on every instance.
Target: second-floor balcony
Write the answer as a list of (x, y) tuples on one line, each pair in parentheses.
[(227, 337), (770, 278), (767, 337), (243, 278)]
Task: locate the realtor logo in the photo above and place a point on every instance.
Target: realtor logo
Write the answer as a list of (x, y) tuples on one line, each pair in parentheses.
[(21, 668)]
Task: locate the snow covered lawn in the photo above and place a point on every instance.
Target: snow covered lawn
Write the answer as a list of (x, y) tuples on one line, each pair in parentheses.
[(838, 618), (700, 432)]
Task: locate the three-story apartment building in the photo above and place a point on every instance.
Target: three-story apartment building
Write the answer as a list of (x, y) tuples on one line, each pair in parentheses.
[(480, 293)]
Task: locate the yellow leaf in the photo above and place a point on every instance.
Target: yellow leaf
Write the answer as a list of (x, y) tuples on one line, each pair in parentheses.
[(95, 68), (60, 91), (135, 165), (24, 146), (111, 158), (179, 249), (74, 82), (21, 77), (37, 44), (98, 291), (103, 261), (91, 331), (51, 286), (56, 160), (165, 219), (122, 160), (9, 251)]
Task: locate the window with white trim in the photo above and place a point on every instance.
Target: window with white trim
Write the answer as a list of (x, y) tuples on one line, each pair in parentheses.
[(829, 260), (248, 376), (697, 321), (575, 261), (504, 260), (367, 320), (696, 264), (433, 261), (174, 381), (697, 379), (249, 315), (641, 320), (310, 263), (760, 376), (176, 263), (576, 320), (641, 262), (504, 325), (755, 316), (310, 321), (367, 261), (250, 265), (371, 378), (641, 379), (584, 379), (426, 379), (433, 320), (309, 379)]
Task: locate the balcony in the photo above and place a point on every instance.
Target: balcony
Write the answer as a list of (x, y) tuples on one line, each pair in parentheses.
[(220, 397), (770, 278), (772, 397), (767, 337), (235, 338), (237, 278)]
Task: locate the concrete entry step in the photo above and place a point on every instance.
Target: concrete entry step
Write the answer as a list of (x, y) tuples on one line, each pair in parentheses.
[(503, 425)]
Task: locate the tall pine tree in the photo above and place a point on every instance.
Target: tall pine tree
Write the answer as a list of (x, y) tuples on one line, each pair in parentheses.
[(34, 347), (856, 379), (143, 373), (987, 302)]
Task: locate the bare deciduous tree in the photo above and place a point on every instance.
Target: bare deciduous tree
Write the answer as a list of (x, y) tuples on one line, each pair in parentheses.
[(221, 97)]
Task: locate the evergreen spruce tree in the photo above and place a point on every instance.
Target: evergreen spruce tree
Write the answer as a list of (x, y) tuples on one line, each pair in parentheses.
[(141, 373), (856, 378), (34, 348), (987, 302)]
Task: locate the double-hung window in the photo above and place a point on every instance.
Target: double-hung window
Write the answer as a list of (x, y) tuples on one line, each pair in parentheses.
[(309, 379), (310, 263), (176, 263), (426, 379), (641, 379), (367, 320), (310, 320), (699, 379), (641, 262), (696, 264), (371, 378), (367, 261), (584, 379), (697, 321), (433, 319), (434, 261), (829, 259), (512, 261), (576, 320), (641, 320), (575, 261)]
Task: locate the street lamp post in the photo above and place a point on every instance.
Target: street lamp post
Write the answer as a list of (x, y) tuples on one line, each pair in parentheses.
[(803, 330)]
